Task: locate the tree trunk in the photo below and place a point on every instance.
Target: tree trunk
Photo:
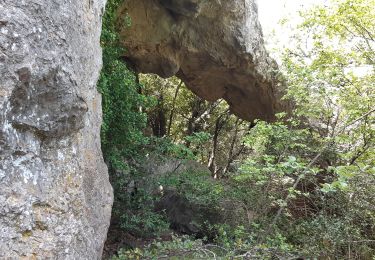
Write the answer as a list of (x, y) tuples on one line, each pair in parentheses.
[(158, 121), (212, 166), (173, 108), (232, 155)]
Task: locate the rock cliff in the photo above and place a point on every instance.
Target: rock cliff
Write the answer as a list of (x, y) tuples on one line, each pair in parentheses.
[(55, 197), (216, 47)]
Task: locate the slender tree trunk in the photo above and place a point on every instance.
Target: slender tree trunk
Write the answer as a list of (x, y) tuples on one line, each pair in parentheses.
[(232, 154), (211, 162), (192, 125), (173, 108), (159, 125), (212, 166)]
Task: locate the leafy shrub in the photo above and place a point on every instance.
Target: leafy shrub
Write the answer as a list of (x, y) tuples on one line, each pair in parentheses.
[(188, 248), (123, 123), (164, 147), (196, 186), (122, 132), (178, 248), (144, 223)]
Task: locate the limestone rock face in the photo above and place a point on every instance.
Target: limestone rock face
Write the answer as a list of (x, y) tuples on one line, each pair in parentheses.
[(216, 47), (55, 197)]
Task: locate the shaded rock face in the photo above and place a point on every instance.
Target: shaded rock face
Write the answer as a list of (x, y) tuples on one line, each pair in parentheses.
[(55, 197), (186, 215), (192, 218), (183, 215), (215, 47)]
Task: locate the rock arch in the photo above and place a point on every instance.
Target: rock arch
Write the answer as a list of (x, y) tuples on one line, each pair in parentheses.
[(55, 196), (215, 47)]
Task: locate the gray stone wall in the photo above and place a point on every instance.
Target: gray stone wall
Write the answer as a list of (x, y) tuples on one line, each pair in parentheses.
[(55, 197)]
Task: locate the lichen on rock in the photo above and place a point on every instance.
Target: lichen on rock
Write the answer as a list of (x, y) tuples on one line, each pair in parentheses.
[(55, 198)]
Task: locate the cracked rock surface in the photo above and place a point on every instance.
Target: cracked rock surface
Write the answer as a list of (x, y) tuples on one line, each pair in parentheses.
[(55, 197), (216, 47)]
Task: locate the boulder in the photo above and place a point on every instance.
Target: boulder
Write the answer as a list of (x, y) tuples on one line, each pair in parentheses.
[(188, 208)]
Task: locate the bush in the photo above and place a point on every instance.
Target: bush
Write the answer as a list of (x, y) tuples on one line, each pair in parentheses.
[(187, 248), (144, 223)]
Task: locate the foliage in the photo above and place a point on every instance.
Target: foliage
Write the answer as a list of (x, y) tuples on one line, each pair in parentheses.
[(310, 168), (196, 186), (332, 83), (145, 223), (122, 135), (121, 132), (188, 248), (134, 209), (165, 147), (198, 143), (206, 128), (179, 248), (305, 185), (320, 207)]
